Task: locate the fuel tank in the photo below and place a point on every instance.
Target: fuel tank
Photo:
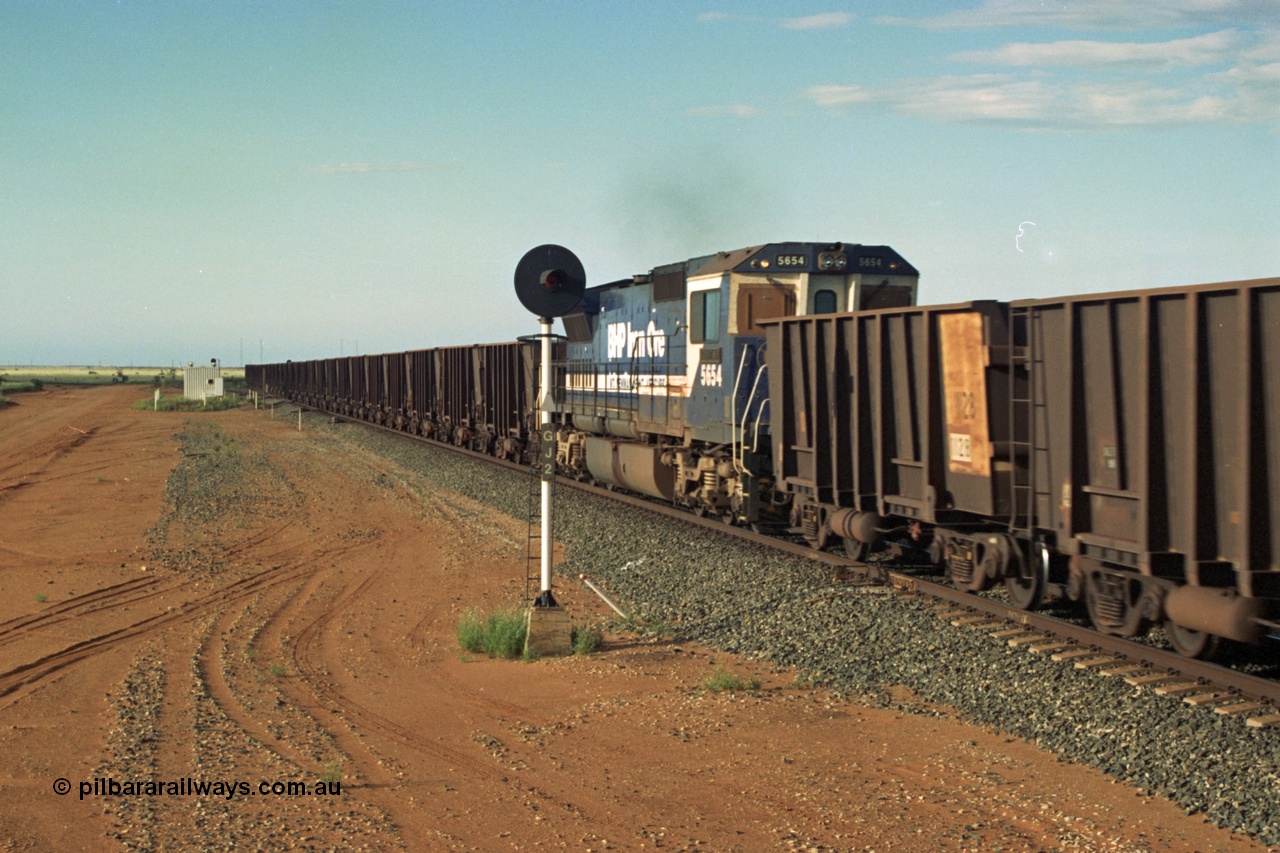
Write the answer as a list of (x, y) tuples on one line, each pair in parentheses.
[(630, 465)]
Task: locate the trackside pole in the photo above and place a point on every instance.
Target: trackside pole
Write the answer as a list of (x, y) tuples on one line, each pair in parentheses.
[(548, 475), (549, 630), (550, 283)]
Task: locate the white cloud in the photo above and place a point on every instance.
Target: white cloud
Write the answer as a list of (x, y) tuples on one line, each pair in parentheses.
[(979, 97), (1229, 76), (824, 21), (1200, 50), (1258, 91), (727, 111), (837, 96), (1243, 95), (1267, 47), (1104, 14)]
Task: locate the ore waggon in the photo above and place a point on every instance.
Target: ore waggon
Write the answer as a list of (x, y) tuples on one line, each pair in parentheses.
[(1122, 448), (481, 397)]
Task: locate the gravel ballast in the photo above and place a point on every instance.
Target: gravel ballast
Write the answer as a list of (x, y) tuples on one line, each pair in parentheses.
[(744, 599)]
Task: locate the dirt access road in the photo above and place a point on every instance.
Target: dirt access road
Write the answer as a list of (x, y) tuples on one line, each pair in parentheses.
[(286, 613)]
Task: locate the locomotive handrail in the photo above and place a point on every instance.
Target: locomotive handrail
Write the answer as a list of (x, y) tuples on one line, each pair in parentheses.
[(755, 438), (634, 366), (733, 416)]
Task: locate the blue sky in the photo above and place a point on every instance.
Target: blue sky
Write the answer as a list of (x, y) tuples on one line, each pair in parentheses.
[(185, 180)]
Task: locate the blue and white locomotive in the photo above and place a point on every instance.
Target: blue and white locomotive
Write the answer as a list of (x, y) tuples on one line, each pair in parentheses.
[(663, 391)]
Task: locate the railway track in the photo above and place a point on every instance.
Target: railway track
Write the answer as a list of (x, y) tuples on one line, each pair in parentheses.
[(1228, 691)]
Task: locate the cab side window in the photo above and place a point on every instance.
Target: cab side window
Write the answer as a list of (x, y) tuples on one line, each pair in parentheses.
[(704, 317)]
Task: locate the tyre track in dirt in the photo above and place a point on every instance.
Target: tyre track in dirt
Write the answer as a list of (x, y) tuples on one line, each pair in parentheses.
[(226, 687), (312, 663), (82, 416), (451, 523), (19, 680), (38, 461), (306, 651), (117, 596), (98, 599)]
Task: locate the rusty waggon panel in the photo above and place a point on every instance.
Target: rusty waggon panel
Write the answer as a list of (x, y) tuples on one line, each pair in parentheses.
[(864, 407)]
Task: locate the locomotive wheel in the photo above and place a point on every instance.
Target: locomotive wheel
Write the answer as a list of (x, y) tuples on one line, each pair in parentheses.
[(1190, 643)]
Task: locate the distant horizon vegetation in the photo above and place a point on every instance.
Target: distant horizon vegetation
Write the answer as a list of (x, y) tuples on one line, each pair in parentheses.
[(17, 379)]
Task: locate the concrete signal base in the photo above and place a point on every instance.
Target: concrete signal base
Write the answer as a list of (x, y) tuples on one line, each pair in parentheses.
[(549, 632)]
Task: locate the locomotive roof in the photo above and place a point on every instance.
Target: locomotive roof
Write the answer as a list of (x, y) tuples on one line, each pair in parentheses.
[(739, 259), (705, 265), (723, 261)]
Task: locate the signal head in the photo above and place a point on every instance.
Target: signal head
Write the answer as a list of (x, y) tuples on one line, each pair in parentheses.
[(550, 281)]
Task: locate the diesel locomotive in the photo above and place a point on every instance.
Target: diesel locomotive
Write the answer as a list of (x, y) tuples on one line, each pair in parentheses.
[(663, 389), (1122, 449)]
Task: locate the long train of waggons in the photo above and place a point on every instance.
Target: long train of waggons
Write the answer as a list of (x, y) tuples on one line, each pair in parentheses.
[(1121, 448)]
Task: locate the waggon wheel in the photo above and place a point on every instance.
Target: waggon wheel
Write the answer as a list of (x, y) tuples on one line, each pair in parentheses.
[(817, 541), (856, 549), (1024, 592), (1026, 579), (1190, 643)]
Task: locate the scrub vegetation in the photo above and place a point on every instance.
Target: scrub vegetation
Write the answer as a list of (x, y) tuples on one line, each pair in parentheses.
[(499, 634)]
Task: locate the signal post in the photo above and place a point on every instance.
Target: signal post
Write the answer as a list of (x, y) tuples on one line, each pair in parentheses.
[(549, 282)]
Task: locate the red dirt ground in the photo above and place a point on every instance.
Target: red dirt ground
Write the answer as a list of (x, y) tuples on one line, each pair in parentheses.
[(308, 634)]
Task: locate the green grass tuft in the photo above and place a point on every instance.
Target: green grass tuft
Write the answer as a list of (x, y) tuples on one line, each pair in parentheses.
[(182, 404), (332, 773), (587, 640), (499, 634), (729, 682)]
